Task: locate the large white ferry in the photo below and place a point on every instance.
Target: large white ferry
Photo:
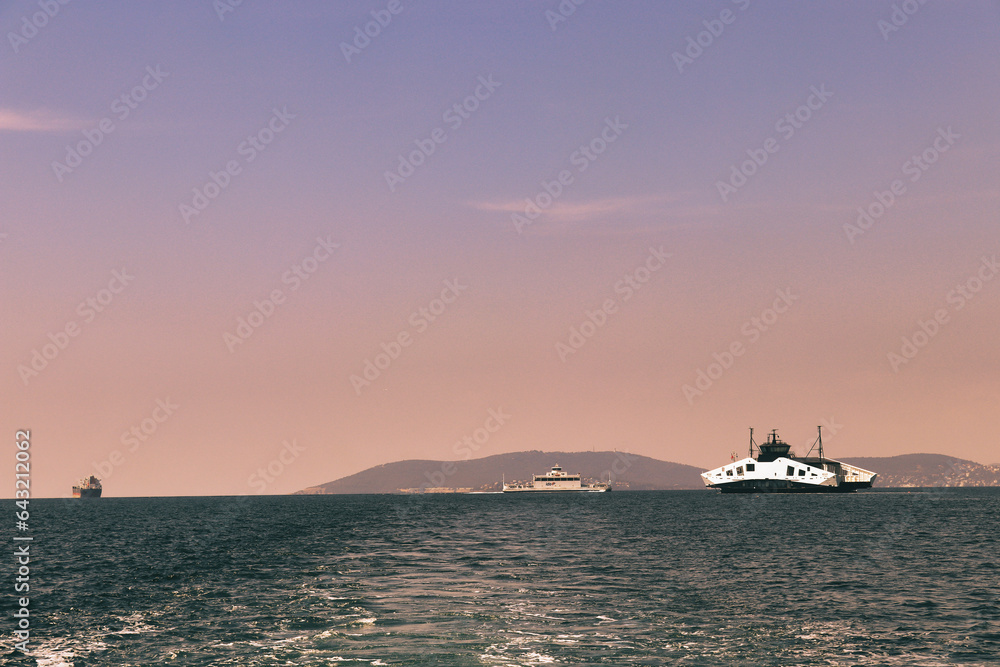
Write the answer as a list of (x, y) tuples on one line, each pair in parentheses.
[(775, 470), (556, 480)]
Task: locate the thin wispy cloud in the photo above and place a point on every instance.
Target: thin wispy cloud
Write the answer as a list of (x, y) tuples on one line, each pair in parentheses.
[(581, 211), (613, 216), (39, 120)]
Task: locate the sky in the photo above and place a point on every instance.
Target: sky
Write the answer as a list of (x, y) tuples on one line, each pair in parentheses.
[(251, 248)]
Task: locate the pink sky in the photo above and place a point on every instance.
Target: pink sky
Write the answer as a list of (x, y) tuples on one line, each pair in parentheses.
[(590, 120)]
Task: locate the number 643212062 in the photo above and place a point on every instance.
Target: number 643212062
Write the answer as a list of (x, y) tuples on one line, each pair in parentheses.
[(22, 468)]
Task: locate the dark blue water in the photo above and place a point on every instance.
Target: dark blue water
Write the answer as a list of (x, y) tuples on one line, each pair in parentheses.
[(655, 578)]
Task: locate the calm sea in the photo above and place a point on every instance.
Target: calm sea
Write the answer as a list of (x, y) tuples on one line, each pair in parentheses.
[(645, 578)]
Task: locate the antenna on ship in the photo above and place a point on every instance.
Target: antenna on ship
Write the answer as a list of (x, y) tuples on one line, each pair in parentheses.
[(818, 442), (751, 442)]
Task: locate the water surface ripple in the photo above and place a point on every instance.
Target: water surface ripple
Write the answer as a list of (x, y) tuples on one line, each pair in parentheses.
[(651, 578)]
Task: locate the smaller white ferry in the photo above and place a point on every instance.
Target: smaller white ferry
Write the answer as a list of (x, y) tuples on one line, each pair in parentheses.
[(556, 480)]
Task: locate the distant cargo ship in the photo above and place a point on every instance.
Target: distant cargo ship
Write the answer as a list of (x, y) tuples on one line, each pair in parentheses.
[(556, 480), (88, 488), (774, 470)]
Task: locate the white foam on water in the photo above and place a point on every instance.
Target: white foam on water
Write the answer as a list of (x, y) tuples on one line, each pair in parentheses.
[(135, 625), (331, 632), (54, 660), (62, 651)]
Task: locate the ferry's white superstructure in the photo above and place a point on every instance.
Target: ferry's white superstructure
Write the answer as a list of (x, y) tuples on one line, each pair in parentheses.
[(775, 470), (556, 480)]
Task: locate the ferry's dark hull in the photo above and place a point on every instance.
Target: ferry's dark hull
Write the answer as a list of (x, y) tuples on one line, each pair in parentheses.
[(783, 486), (583, 489), (86, 493)]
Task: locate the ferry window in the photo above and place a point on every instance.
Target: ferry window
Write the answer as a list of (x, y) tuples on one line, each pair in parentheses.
[(739, 470), (790, 471), (729, 473), (802, 473), (751, 467)]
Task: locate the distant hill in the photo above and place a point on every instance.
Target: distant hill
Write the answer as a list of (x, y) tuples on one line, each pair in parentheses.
[(927, 470), (628, 472)]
